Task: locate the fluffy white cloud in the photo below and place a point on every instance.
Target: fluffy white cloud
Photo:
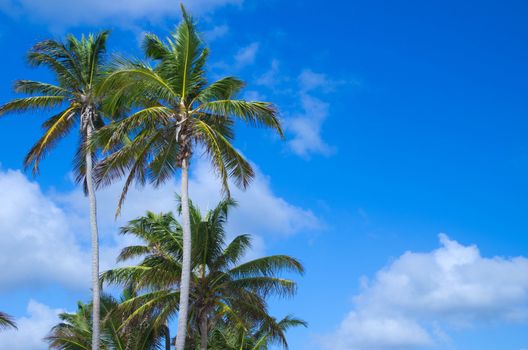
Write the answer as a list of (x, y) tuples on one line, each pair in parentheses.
[(44, 237), (420, 296), (304, 123), (259, 211), (36, 240), (362, 332), (306, 126), (64, 13), (31, 328)]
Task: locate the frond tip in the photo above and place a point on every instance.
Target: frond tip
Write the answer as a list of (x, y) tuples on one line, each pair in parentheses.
[(6, 321)]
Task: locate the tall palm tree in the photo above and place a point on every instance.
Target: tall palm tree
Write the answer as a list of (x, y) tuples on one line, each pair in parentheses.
[(6, 321), (222, 288), (176, 111), (77, 65)]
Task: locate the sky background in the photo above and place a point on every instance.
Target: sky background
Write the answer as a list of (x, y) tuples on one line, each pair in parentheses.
[(402, 184)]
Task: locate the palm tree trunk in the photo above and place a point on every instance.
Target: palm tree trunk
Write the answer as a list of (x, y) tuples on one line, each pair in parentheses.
[(167, 337), (186, 263), (203, 332), (96, 293)]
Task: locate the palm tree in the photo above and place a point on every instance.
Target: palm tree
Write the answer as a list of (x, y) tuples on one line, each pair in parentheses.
[(78, 69), (259, 337), (6, 321), (176, 111), (222, 288), (74, 332)]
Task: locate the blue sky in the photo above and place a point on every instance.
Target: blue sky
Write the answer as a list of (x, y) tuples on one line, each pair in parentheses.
[(402, 183)]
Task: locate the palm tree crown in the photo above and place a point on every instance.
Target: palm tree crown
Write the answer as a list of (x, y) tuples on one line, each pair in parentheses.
[(77, 66), (225, 336), (222, 288), (74, 332), (176, 110)]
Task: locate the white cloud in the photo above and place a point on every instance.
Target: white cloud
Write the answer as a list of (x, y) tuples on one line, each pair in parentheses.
[(44, 237), (305, 123), (92, 12), (415, 301), (31, 329), (246, 55), (260, 211), (216, 32), (271, 77), (362, 332), (36, 240), (306, 126), (310, 80)]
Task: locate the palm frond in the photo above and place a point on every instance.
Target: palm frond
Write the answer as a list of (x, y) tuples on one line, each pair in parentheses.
[(31, 87), (252, 112), (223, 89), (268, 266), (56, 127), (154, 47), (227, 161), (21, 105)]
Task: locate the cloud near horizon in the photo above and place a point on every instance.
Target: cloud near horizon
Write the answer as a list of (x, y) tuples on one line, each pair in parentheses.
[(416, 301), (32, 328)]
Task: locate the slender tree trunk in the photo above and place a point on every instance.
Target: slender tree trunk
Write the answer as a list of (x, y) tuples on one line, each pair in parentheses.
[(96, 293), (167, 338), (186, 263), (204, 336)]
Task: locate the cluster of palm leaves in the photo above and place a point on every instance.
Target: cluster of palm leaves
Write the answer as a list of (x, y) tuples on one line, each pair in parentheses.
[(75, 331), (143, 123), (227, 304)]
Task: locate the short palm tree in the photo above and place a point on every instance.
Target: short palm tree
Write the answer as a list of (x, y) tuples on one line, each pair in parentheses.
[(6, 321), (78, 69), (222, 288), (177, 111), (260, 336), (74, 332)]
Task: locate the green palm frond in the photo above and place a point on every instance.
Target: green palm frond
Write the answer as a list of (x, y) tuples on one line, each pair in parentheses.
[(31, 87), (221, 287), (266, 285), (56, 127), (21, 105), (268, 265), (223, 89), (74, 332), (227, 161), (252, 112), (154, 47)]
